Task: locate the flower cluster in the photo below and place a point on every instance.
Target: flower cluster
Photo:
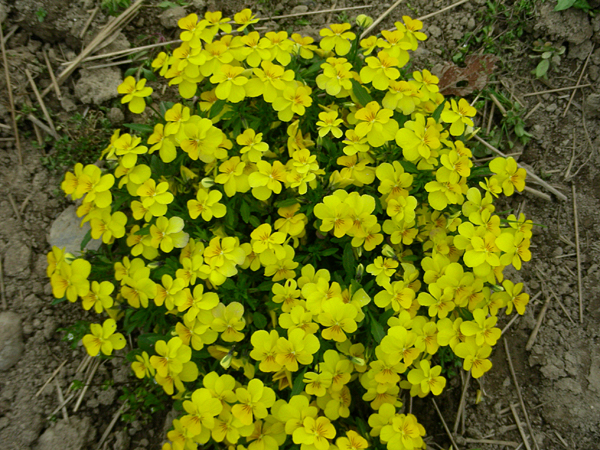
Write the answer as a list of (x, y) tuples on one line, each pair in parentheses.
[(294, 243)]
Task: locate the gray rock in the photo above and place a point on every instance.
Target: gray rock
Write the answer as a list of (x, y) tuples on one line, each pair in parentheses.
[(65, 232), (74, 435), (198, 5), (17, 259), (592, 105), (300, 9), (67, 104), (116, 116), (169, 17), (572, 24), (434, 31), (119, 43), (99, 85), (11, 340)]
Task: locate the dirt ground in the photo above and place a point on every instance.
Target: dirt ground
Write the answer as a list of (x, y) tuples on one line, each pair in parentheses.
[(557, 370)]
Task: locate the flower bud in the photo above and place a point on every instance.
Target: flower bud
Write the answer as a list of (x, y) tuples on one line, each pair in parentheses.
[(207, 182), (388, 252), (364, 21), (360, 270)]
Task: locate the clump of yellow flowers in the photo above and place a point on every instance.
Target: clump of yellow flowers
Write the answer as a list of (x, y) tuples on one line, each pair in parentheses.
[(294, 243)]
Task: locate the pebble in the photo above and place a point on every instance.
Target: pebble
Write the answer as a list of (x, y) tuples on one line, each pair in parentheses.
[(11, 340), (66, 232), (67, 436), (300, 9), (17, 258), (169, 17)]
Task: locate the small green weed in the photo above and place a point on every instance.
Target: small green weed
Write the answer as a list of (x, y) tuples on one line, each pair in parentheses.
[(41, 14), (114, 7), (550, 57), (82, 141)]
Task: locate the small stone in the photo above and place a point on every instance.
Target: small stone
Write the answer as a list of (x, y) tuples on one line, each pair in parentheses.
[(592, 105), (116, 116), (11, 340), (198, 5), (67, 436), (66, 232), (558, 251), (17, 258), (434, 31), (99, 85), (300, 9), (67, 104), (144, 443), (169, 17)]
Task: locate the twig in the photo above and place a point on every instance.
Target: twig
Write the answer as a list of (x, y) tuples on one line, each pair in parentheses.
[(579, 80), (380, 18), (41, 102), (579, 281), (127, 51), (534, 109), (530, 173), (538, 324), (538, 194), (63, 404), (2, 288), (11, 199), (50, 379), (24, 204), (110, 29), (498, 104), (61, 399), (83, 364), (516, 316), (52, 77), (560, 303), (87, 385), (10, 33), (550, 91), (461, 404), (562, 441), (520, 426), (454, 5), (39, 123), (518, 389), (491, 442), (572, 160), (444, 423), (592, 147), (310, 13), (10, 97), (110, 64), (89, 22), (112, 423)]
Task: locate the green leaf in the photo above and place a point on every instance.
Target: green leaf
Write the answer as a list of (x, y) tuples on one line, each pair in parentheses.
[(245, 212), (361, 93), (56, 301), (147, 341), (348, 260), (561, 5), (438, 111), (254, 221), (259, 320), (216, 108), (143, 231), (140, 127), (329, 251), (287, 202), (299, 383), (86, 239), (377, 330), (542, 68)]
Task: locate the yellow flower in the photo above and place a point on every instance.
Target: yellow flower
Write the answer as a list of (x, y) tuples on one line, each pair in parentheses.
[(380, 71), (352, 440), (299, 347), (168, 234), (229, 321), (265, 344), (337, 37), (458, 114), (329, 122), (428, 378), (292, 101), (142, 367), (303, 46), (475, 358), (103, 338), (207, 204), (201, 410), (338, 317), (510, 174), (230, 83), (267, 179), (336, 78), (71, 279), (278, 45), (134, 94), (98, 297), (244, 18), (376, 124), (253, 402), (253, 147), (314, 433)]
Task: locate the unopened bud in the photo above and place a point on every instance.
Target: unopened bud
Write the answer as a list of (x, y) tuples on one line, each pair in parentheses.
[(207, 182), (364, 21)]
